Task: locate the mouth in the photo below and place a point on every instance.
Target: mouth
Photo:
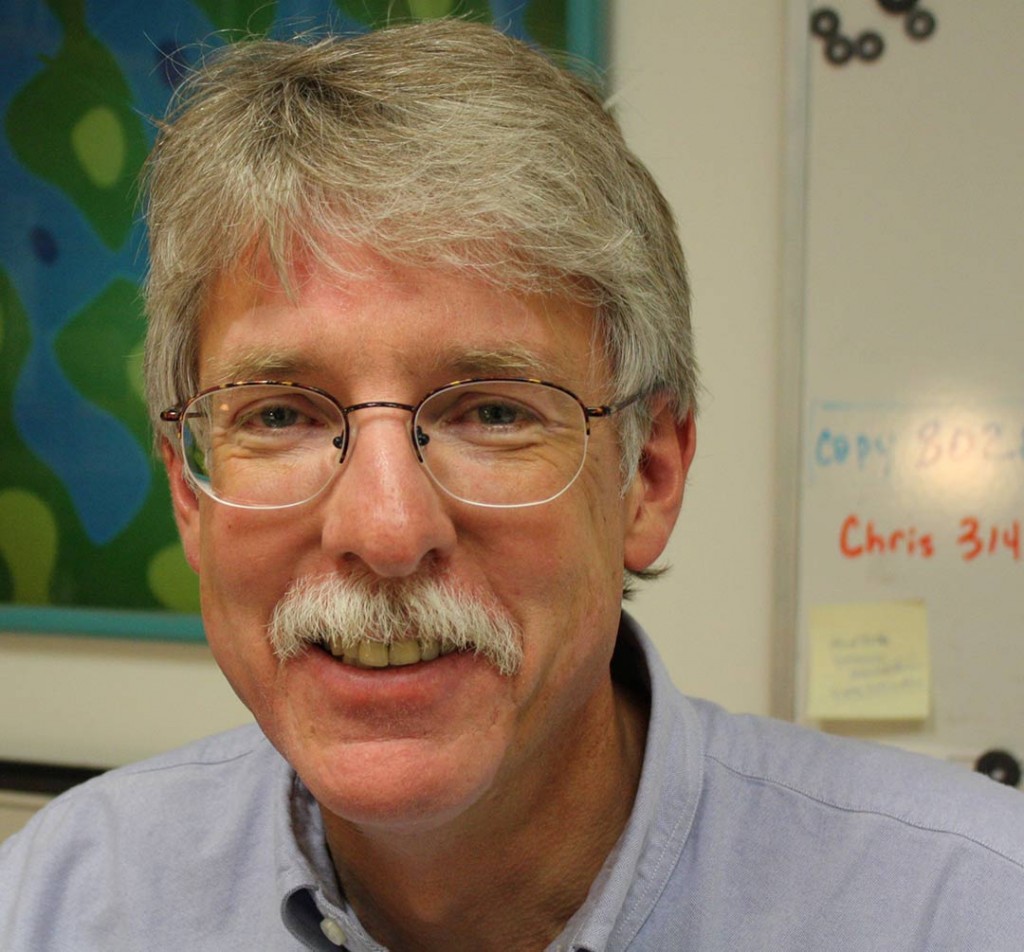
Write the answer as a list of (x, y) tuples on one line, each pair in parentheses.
[(376, 654)]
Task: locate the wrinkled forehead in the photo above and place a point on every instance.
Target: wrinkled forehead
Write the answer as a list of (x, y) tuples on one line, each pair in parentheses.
[(311, 258), (446, 357), (264, 321)]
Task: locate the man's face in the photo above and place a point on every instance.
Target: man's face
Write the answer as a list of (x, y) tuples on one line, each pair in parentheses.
[(420, 744)]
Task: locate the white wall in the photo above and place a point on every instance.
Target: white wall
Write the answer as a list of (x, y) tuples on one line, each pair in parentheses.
[(99, 703), (699, 92), (699, 88)]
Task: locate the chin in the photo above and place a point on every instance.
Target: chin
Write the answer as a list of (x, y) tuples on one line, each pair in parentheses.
[(401, 785)]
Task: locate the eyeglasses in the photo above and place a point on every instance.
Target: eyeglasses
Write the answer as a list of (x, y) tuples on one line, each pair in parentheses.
[(501, 443)]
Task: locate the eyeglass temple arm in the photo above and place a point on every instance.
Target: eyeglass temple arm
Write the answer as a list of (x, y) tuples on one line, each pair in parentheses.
[(608, 409)]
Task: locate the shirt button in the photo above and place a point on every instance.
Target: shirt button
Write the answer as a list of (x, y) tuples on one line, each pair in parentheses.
[(333, 930)]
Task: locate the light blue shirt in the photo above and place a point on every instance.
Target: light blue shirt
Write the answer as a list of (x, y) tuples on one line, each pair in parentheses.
[(746, 834)]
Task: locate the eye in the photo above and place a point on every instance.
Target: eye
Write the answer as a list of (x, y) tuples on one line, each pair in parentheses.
[(505, 416), (488, 413), (482, 417), (278, 417), (498, 414)]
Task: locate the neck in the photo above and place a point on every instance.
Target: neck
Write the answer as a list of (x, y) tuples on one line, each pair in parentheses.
[(517, 864)]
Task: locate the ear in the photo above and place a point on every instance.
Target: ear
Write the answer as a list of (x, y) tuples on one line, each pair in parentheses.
[(656, 494), (185, 503)]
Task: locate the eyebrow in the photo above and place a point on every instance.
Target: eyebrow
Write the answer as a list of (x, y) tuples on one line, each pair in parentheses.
[(259, 365), (510, 360)]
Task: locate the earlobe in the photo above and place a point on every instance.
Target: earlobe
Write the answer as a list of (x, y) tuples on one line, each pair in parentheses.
[(185, 504), (655, 498)]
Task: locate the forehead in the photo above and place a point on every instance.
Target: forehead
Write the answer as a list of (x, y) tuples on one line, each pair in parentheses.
[(368, 315)]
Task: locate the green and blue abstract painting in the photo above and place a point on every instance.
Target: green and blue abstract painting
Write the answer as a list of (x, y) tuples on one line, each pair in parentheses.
[(87, 540)]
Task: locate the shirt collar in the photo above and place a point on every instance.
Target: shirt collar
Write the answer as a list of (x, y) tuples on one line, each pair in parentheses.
[(638, 868)]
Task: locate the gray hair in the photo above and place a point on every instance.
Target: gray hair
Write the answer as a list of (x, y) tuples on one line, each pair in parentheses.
[(443, 143)]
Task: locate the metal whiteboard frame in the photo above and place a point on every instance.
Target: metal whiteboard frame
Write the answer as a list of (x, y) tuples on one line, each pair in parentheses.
[(790, 364)]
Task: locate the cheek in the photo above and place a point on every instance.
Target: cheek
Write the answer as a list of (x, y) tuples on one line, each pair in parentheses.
[(248, 556), (235, 558), (558, 570), (567, 554), (247, 562)]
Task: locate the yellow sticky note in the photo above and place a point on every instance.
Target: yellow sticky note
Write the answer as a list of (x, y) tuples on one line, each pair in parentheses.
[(869, 662)]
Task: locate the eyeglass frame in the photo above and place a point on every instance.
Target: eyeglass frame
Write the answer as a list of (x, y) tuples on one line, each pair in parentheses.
[(178, 413)]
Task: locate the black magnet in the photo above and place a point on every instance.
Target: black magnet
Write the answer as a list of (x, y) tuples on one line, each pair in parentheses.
[(870, 45), (920, 25), (839, 49), (1001, 766), (897, 6), (825, 22)]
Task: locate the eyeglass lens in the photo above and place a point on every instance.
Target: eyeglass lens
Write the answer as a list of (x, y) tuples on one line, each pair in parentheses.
[(493, 443)]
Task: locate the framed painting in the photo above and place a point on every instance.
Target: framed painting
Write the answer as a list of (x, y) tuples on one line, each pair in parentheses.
[(87, 540)]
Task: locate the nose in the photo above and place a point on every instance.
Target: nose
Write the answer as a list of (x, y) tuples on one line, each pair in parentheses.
[(382, 509)]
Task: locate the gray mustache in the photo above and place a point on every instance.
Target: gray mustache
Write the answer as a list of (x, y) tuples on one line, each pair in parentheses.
[(339, 613)]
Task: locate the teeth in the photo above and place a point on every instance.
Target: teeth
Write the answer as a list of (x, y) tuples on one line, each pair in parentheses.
[(404, 652), (375, 654)]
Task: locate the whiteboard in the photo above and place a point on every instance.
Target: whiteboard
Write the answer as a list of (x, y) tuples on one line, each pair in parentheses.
[(911, 482)]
